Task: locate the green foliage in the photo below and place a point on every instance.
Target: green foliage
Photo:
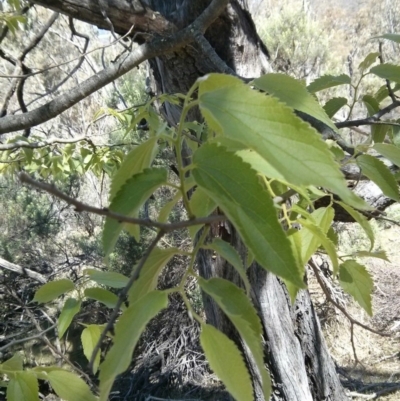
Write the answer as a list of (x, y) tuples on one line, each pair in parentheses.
[(50, 291)]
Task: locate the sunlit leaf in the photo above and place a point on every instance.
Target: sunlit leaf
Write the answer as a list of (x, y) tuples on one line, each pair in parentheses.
[(377, 254), (332, 106), (378, 131), (356, 281), (368, 61), (387, 71), (14, 364), (52, 290), (376, 171), (23, 386), (361, 220), (227, 362), (229, 253), (135, 162), (132, 195), (237, 306), (166, 210), (394, 37), (70, 309), (266, 126), (69, 387), (235, 187), (90, 337), (111, 279), (127, 332), (328, 81), (149, 274), (102, 295), (391, 152), (295, 94)]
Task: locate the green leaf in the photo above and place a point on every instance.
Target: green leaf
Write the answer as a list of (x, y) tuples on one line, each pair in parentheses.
[(127, 332), (23, 386), (235, 187), (295, 94), (69, 387), (361, 220), (378, 131), (266, 126), (70, 309), (201, 205), (391, 152), (328, 81), (368, 61), (357, 282), (322, 218), (148, 278), (111, 279), (229, 253), (90, 337), (166, 210), (332, 106), (52, 290), (227, 362), (135, 162), (377, 254), (14, 364), (394, 37), (239, 309), (102, 295), (387, 71), (376, 171), (326, 243), (128, 201)]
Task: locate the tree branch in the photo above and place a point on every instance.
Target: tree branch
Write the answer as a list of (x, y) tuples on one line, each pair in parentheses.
[(142, 53), (4, 264)]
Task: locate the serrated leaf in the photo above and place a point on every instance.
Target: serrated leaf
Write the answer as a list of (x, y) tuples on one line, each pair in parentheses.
[(235, 187), (391, 152), (132, 195), (294, 94), (378, 131), (23, 386), (14, 364), (201, 205), (52, 290), (227, 362), (166, 210), (361, 220), (368, 61), (111, 279), (70, 309), (148, 278), (127, 332), (90, 337), (229, 253), (332, 106), (135, 162), (69, 387), (102, 295), (325, 242), (322, 218), (356, 281), (387, 71), (239, 309), (377, 254), (266, 126), (376, 171), (394, 37), (328, 81)]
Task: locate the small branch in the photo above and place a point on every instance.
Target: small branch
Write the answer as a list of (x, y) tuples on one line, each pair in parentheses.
[(80, 207), (122, 297), (43, 144), (4, 264), (370, 120)]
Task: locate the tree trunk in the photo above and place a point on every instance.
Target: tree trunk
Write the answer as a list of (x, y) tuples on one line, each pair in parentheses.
[(295, 352)]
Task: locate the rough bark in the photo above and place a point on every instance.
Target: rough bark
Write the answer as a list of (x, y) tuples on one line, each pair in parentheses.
[(295, 352)]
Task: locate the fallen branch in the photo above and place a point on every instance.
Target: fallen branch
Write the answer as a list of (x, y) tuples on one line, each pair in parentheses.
[(4, 264)]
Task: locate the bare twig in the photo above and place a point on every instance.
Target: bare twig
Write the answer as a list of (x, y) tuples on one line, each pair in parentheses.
[(122, 297), (80, 207)]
